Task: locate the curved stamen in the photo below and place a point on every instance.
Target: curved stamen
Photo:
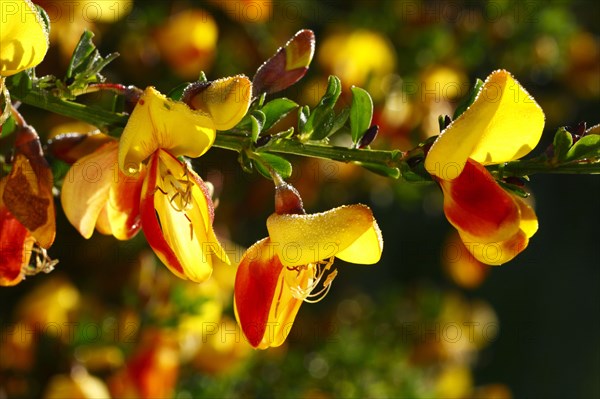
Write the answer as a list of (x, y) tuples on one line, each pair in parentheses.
[(317, 271), (181, 199), (43, 263)]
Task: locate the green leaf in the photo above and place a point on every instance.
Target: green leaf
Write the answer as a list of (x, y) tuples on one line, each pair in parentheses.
[(466, 103), (563, 140), (20, 84), (361, 113), (332, 93), (319, 123), (587, 147), (275, 110), (381, 170), (7, 128), (515, 189), (280, 165), (245, 162), (303, 115), (82, 52), (257, 120), (177, 92), (339, 121), (44, 16)]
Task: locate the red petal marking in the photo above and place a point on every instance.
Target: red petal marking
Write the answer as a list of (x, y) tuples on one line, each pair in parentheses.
[(150, 224), (477, 206), (255, 286), (125, 198), (15, 248)]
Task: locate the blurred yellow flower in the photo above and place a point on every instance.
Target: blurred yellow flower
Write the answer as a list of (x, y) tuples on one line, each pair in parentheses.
[(247, 11), (68, 19), (187, 42), (78, 385), (361, 58), (223, 349)]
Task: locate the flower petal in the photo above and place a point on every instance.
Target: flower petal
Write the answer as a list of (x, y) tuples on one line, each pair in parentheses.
[(478, 207), (23, 37), (345, 231), (158, 122), (86, 188), (28, 196), (180, 230), (496, 252), (529, 221), (123, 205), (225, 100), (15, 245), (264, 305), (504, 123)]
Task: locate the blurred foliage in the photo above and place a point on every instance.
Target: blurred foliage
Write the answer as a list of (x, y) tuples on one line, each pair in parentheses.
[(110, 315)]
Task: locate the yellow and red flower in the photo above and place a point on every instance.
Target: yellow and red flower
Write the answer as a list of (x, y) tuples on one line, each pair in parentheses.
[(151, 187), (504, 123), (281, 271), (175, 207)]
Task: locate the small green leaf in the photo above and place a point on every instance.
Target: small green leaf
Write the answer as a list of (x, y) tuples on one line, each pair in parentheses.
[(339, 121), (466, 103), (21, 84), (245, 162), (319, 123), (44, 16), (513, 188), (587, 147), (563, 140), (7, 128), (286, 134), (257, 120), (280, 165), (332, 93), (277, 109), (381, 170), (361, 113), (82, 52), (410, 174), (303, 115), (177, 92)]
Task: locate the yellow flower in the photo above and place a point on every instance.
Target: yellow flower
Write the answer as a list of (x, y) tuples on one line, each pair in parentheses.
[(278, 273), (23, 37), (23, 42), (187, 41), (503, 124), (175, 207)]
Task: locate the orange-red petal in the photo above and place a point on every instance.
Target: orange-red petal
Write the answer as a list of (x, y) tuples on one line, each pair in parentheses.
[(264, 305), (15, 245), (478, 207)]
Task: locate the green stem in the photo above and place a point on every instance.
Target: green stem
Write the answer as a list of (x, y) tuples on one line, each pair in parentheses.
[(92, 115), (237, 142), (290, 146), (526, 168)]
